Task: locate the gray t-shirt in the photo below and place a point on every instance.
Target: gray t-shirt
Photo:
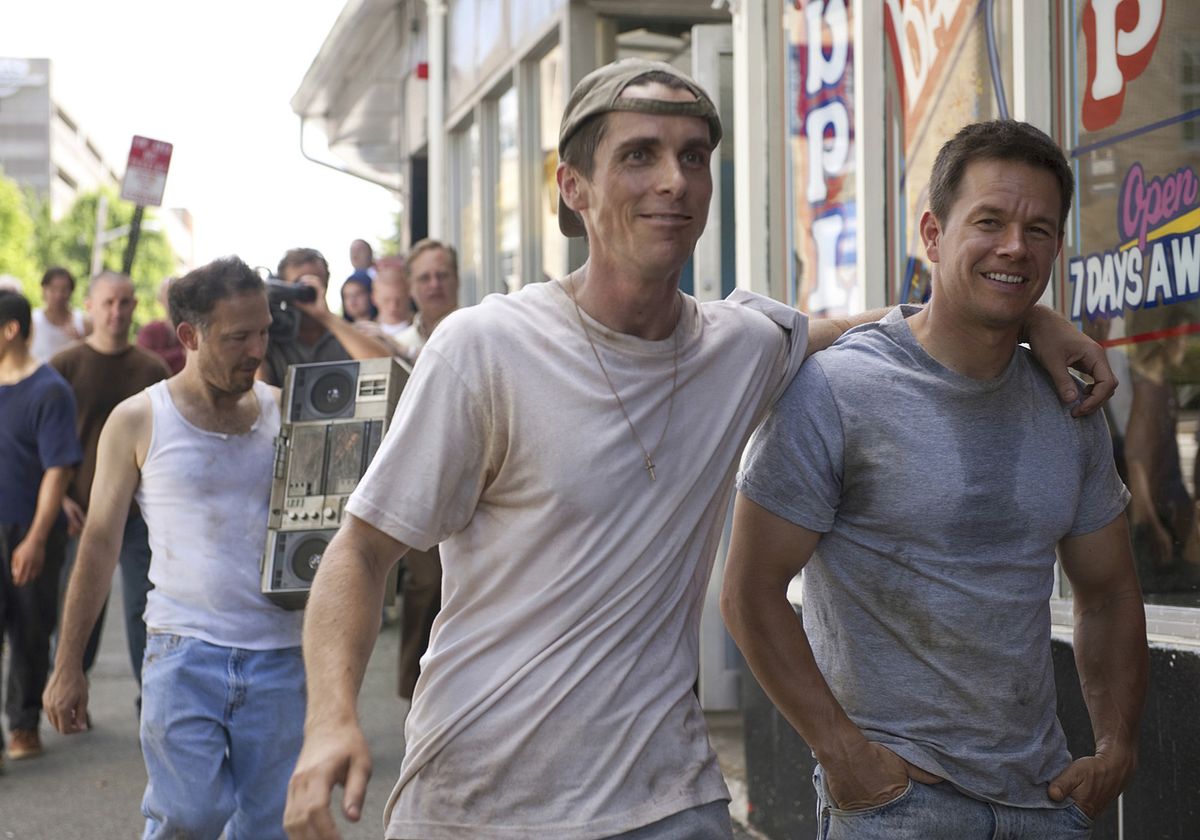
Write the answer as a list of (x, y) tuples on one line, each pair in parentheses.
[(940, 499)]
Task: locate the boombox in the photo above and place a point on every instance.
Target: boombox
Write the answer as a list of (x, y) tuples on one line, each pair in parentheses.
[(334, 418)]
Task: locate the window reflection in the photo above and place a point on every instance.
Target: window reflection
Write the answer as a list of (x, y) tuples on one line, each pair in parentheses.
[(1133, 276), (1163, 510)]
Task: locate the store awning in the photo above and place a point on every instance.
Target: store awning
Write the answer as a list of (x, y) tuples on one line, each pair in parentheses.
[(353, 89)]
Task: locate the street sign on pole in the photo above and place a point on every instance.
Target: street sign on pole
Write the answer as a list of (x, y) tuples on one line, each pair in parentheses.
[(145, 179), (146, 171)]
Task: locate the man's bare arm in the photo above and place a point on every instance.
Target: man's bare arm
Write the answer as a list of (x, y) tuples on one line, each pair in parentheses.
[(1055, 342), (122, 444), (1112, 657), (765, 553), (340, 628), (358, 344), (824, 331), (1059, 346), (29, 556)]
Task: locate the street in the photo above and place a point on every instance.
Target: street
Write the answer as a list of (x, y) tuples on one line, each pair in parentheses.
[(90, 785)]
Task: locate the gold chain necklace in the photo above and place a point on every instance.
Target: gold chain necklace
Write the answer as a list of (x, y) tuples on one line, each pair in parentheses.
[(647, 457)]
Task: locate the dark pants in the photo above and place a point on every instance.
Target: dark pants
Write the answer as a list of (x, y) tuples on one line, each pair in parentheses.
[(27, 616), (421, 599), (135, 583)]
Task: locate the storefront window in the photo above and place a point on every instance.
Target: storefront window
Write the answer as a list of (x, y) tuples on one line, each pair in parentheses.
[(950, 65), (465, 177), (508, 213), (821, 190), (551, 105), (477, 41), (1133, 259), (528, 16)]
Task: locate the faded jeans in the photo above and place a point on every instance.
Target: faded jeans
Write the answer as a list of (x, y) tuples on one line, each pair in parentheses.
[(941, 812), (704, 822), (221, 730)]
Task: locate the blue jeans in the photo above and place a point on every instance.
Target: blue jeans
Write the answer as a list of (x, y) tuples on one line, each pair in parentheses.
[(940, 812), (221, 729), (704, 822), (135, 583)]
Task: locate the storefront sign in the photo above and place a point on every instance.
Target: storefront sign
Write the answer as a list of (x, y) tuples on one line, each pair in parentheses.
[(826, 111), (1121, 36), (922, 33), (1159, 260)]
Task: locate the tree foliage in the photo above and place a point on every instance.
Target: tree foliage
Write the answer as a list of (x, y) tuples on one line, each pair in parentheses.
[(16, 236), (31, 241), (68, 242)]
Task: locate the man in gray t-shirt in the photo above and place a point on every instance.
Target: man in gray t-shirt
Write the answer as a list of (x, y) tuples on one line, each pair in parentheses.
[(927, 469)]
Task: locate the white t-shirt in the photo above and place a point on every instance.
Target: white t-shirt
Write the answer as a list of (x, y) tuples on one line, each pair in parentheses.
[(412, 339), (555, 699), (47, 338), (394, 330)]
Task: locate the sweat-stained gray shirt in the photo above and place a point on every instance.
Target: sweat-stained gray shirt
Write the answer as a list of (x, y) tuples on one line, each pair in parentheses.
[(941, 500)]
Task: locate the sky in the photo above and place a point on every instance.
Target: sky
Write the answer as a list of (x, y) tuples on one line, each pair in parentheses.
[(213, 77)]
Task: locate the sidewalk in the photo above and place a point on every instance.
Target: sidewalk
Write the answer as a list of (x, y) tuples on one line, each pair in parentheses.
[(90, 785)]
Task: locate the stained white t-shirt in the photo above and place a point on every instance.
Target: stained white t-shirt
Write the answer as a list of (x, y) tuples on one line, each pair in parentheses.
[(555, 699), (204, 496)]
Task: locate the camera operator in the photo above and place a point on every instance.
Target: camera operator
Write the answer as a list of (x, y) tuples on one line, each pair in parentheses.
[(319, 335)]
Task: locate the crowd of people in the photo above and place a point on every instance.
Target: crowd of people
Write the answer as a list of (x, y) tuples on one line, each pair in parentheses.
[(77, 504), (556, 479)]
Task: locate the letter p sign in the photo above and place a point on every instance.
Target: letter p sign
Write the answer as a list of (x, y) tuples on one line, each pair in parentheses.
[(1121, 36)]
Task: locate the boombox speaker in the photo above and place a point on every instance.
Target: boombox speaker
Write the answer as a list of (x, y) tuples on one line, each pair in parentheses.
[(335, 416)]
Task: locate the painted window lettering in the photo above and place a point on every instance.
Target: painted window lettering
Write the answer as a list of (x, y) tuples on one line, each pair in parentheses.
[(829, 131), (1158, 261), (1121, 36)]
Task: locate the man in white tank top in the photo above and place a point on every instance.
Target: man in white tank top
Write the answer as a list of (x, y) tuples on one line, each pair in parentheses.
[(223, 683)]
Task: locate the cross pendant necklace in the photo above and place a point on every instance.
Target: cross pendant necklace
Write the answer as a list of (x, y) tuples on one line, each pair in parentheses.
[(647, 456)]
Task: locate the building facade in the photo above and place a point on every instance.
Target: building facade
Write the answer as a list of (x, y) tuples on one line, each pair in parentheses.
[(834, 111), (41, 146)]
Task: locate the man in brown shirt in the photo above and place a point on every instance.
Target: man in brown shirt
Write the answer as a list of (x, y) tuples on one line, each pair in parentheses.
[(102, 370)]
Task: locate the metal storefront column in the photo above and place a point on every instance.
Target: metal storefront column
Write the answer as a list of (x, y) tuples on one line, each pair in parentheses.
[(1033, 67), (588, 41), (758, 157), (529, 166), (870, 154), (436, 115)]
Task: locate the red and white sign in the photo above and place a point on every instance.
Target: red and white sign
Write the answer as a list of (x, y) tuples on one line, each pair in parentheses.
[(146, 171)]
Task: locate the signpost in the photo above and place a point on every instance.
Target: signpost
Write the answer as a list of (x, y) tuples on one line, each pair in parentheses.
[(145, 179)]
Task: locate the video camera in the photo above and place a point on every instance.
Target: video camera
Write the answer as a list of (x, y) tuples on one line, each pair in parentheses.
[(285, 320)]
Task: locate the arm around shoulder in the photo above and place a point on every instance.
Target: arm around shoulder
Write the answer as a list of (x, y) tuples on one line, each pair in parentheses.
[(822, 332), (1058, 346)]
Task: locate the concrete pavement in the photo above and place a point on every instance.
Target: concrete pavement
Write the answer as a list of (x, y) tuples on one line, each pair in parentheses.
[(90, 785)]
